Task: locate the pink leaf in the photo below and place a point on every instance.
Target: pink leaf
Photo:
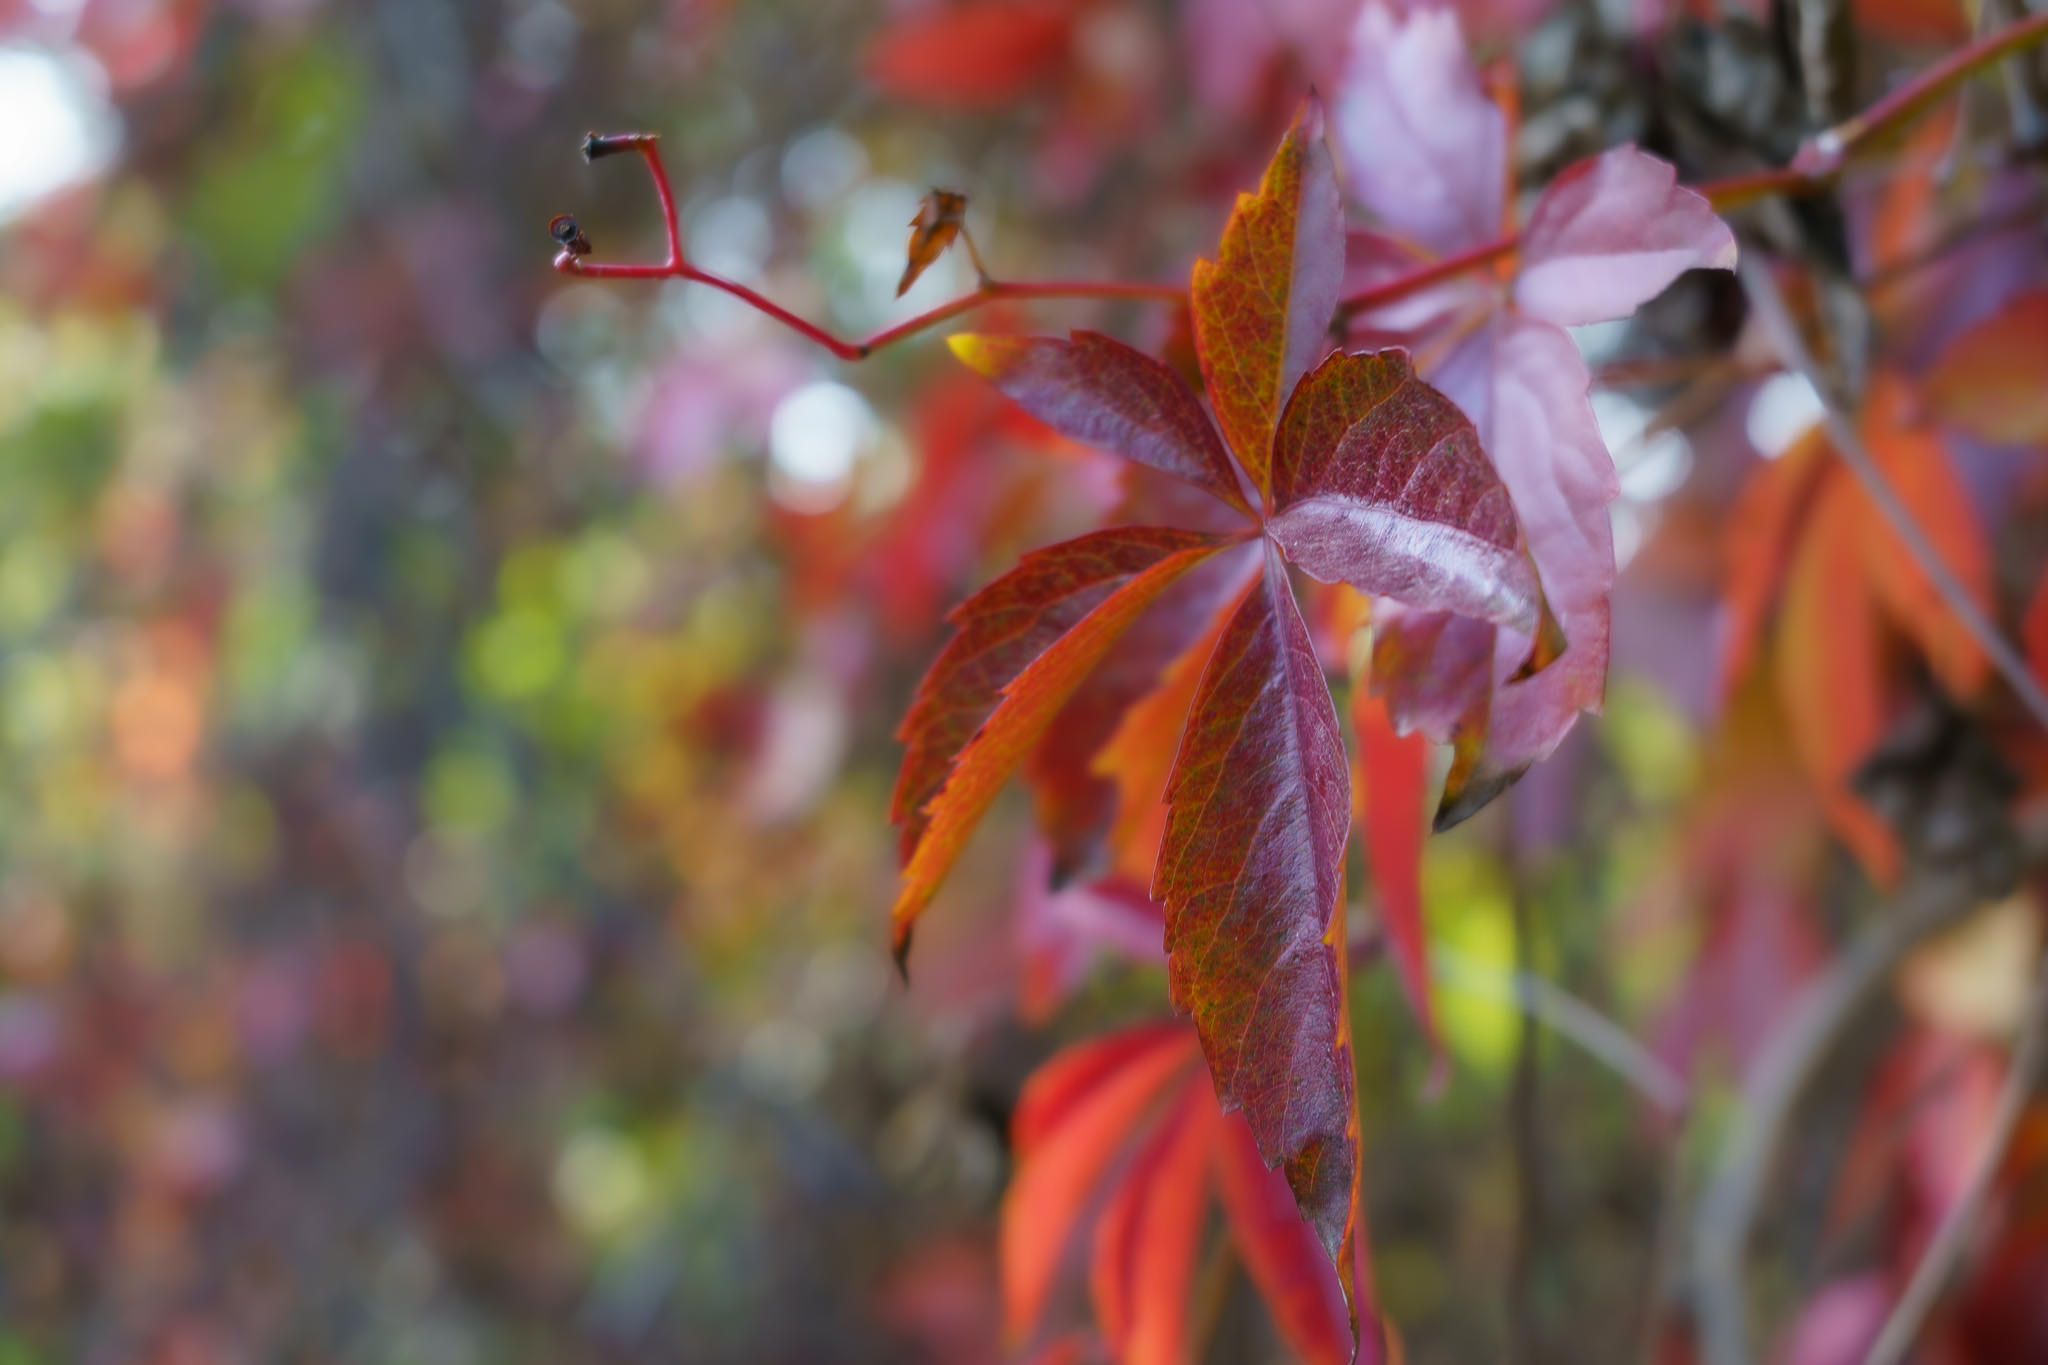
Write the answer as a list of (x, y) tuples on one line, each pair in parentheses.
[(1423, 146), (1524, 385), (1609, 234)]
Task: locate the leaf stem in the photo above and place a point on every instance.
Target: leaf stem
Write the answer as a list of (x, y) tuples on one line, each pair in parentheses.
[(1818, 163), (677, 266), (1776, 320)]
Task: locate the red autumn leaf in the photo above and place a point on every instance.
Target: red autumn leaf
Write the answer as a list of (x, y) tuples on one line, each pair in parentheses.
[(1001, 629), (1281, 1256), (1763, 528), (1071, 1122), (1147, 1239), (1074, 805), (1249, 873), (1144, 562), (1153, 1181), (941, 215), (1389, 782), (1102, 393), (1918, 468), (980, 54), (1262, 307), (1989, 382), (1830, 669), (1378, 481)]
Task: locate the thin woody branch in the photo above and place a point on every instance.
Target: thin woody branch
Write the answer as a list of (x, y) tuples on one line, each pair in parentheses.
[(572, 261)]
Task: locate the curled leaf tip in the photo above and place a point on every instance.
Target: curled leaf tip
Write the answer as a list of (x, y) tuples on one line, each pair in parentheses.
[(899, 953)]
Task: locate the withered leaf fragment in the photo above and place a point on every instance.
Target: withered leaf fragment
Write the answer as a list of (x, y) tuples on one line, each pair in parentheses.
[(940, 216)]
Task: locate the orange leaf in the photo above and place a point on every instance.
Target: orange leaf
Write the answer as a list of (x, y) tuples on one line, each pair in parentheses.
[(1992, 381), (1830, 669), (1918, 467), (1139, 756), (1006, 630), (1262, 308), (1145, 1245), (1065, 1160), (940, 216), (1762, 533)]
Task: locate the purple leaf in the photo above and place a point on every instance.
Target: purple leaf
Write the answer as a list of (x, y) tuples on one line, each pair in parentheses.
[(1250, 872), (1379, 482), (1423, 146), (1102, 393)]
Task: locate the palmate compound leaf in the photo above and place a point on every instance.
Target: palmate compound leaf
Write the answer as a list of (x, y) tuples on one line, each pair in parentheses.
[(1262, 308), (1026, 642), (1250, 873)]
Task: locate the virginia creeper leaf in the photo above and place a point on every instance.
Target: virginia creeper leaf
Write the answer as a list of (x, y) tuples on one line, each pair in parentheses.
[(1249, 873), (1389, 784), (1145, 1245), (1002, 629), (940, 216), (1379, 482), (1423, 146), (1989, 382), (1262, 307), (1830, 669), (1102, 393), (1524, 385), (1073, 1119), (1029, 702), (1762, 533), (1279, 1250), (1073, 805), (1913, 459), (1609, 234)]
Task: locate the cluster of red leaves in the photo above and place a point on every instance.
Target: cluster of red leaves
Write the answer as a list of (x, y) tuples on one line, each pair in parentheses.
[(1177, 661), (1122, 1134)]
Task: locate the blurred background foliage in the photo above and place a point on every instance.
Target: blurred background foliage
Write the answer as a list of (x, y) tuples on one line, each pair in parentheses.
[(446, 710)]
